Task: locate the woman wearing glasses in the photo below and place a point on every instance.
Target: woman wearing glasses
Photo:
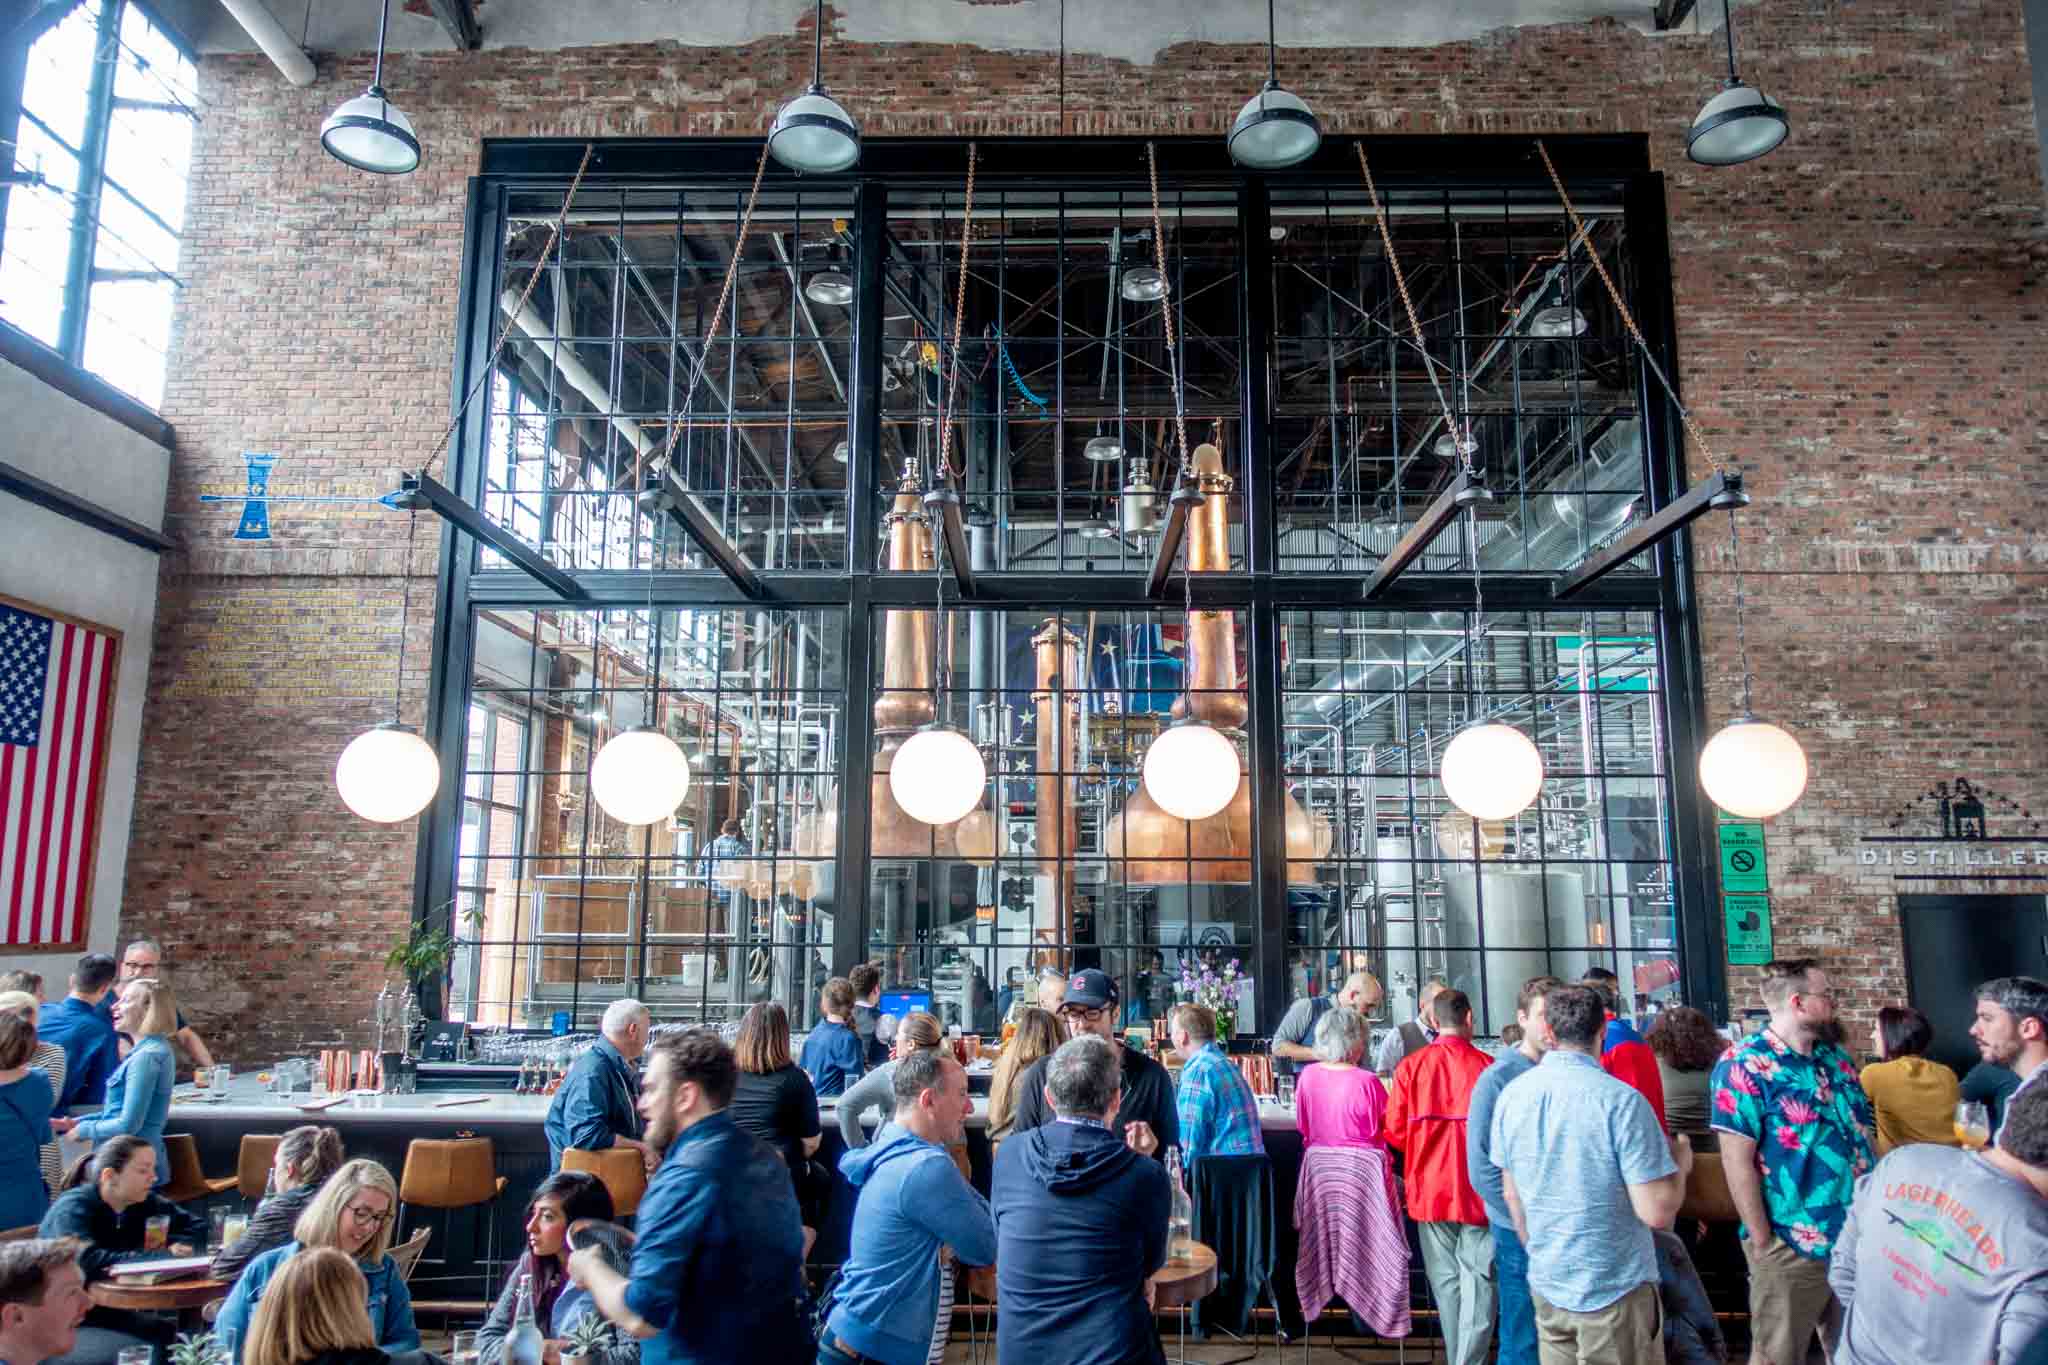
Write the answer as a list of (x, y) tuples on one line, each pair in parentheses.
[(352, 1213)]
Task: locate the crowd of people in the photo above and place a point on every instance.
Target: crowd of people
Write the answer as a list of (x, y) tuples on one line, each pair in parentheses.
[(1544, 1185)]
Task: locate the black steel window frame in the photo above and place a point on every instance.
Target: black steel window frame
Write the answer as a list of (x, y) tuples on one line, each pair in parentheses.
[(1590, 164)]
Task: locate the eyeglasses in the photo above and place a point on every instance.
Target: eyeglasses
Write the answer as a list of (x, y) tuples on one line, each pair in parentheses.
[(1082, 1012), (371, 1216)]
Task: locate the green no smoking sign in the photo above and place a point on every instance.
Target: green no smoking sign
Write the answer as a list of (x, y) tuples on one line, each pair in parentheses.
[(1743, 866)]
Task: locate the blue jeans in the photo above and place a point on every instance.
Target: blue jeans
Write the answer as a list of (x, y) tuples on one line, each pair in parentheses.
[(1517, 1331), (829, 1353)]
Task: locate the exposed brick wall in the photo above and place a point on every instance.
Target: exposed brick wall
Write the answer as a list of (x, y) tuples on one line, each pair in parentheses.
[(1860, 325)]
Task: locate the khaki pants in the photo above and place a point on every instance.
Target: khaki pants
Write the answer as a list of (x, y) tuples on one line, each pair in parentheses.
[(1458, 1258), (1629, 1331), (1789, 1300)]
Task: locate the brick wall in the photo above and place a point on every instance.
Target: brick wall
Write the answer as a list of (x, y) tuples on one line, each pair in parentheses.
[(1859, 318)]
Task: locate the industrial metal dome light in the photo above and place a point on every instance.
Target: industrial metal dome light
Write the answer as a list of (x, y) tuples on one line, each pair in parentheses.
[(1276, 128), (830, 287), (368, 132), (1103, 449), (1739, 124), (1142, 284), (813, 132)]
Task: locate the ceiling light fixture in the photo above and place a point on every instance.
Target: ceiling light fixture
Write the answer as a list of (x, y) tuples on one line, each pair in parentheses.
[(1750, 768), (813, 132), (368, 132), (833, 288), (1276, 128), (1559, 319), (1739, 124), (1490, 771), (839, 450), (1142, 284), (390, 773), (1103, 449)]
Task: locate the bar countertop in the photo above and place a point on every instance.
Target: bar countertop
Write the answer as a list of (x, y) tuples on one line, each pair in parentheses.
[(251, 1101)]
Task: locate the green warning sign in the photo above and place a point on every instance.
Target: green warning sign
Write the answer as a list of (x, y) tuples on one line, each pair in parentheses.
[(1749, 929), (1742, 856)]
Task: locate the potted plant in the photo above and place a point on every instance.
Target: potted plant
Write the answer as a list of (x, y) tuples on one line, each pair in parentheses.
[(588, 1339), (426, 949), (200, 1348)]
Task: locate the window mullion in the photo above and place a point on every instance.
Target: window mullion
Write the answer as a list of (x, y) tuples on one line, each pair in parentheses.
[(91, 171)]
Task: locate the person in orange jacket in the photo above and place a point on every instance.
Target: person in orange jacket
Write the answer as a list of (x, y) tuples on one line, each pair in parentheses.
[(1426, 1121), (1623, 1053)]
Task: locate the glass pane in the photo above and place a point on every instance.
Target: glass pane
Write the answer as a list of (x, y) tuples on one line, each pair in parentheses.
[(56, 87), (128, 335), (37, 246), (149, 155)]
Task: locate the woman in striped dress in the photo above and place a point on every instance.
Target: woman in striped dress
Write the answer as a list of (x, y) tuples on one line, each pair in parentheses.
[(1354, 1244), (49, 1059)]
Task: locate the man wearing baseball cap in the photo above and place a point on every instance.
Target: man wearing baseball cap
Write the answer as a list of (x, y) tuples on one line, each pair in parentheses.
[(1146, 1117)]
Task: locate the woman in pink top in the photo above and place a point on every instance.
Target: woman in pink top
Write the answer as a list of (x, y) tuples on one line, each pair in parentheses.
[(1353, 1242)]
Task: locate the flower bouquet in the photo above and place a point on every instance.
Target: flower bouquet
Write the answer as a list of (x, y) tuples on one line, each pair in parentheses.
[(1219, 992)]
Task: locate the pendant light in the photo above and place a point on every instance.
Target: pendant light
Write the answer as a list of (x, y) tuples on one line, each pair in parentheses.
[(1739, 124), (1275, 129), (1751, 768), (368, 132), (641, 775), (1490, 771), (1559, 319), (831, 287), (1142, 284), (938, 775), (390, 773), (813, 132), (1102, 449), (1191, 768)]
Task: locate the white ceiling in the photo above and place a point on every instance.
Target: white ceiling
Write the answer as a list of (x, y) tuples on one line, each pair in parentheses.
[(1135, 31)]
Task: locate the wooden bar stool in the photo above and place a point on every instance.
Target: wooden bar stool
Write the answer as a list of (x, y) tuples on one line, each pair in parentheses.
[(188, 1179), (450, 1174), (619, 1169)]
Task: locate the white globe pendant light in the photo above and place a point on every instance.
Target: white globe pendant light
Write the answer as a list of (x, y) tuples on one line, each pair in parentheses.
[(639, 776), (1192, 770), (387, 774), (1753, 769), (938, 776), (1491, 771)]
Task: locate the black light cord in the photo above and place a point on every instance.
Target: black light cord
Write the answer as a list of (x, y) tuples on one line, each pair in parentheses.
[(383, 22), (1272, 68), (1728, 31), (818, 49)]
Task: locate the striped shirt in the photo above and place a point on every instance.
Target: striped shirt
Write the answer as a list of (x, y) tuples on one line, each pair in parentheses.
[(1218, 1114)]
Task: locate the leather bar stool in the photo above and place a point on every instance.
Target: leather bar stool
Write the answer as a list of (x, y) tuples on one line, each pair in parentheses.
[(619, 1169), (188, 1178), (253, 1161), (450, 1174)]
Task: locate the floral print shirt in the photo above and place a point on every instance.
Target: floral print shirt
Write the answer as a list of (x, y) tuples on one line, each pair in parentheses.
[(1811, 1124)]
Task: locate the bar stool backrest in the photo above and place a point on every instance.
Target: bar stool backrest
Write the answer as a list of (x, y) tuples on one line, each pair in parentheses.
[(449, 1173), (620, 1169)]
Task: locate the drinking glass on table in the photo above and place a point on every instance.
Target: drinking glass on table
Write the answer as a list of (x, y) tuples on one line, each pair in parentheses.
[(1973, 1124), (216, 1228), (232, 1228), (217, 1081), (463, 1349), (134, 1355), (156, 1232)]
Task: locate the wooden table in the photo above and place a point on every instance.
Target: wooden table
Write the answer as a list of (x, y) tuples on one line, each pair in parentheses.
[(179, 1296), (1175, 1286)]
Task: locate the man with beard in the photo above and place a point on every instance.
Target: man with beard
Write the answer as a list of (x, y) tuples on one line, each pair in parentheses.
[(2011, 1029), (717, 1267), (1147, 1118)]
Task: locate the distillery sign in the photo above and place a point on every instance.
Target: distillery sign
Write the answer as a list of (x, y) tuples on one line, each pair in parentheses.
[(1970, 833)]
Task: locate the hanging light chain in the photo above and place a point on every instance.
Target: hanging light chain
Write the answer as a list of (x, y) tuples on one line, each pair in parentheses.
[(946, 417), (1180, 417), (1741, 634), (732, 271), (555, 230), (1464, 439), (1582, 234)]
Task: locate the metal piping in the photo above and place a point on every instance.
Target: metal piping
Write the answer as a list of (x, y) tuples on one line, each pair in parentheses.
[(262, 26)]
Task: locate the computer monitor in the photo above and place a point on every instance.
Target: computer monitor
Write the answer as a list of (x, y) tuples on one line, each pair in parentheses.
[(900, 1003)]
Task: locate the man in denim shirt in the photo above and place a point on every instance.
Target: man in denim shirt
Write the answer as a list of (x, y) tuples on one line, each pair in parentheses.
[(595, 1107), (1586, 1173), (717, 1268)]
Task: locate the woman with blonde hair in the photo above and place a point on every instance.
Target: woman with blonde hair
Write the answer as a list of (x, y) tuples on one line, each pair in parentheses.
[(875, 1090), (315, 1316), (139, 1091), (1038, 1035), (352, 1213), (306, 1157), (47, 1058)]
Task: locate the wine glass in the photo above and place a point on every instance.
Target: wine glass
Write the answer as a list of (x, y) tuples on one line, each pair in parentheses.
[(1973, 1124)]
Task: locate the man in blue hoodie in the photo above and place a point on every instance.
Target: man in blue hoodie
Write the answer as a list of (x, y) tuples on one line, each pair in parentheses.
[(913, 1200), (1080, 1224)]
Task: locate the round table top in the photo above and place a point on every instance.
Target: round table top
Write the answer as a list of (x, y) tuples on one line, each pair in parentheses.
[(172, 1294), (1176, 1285)]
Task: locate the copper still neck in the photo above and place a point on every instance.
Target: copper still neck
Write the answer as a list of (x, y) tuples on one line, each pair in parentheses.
[(1211, 695), (905, 700)]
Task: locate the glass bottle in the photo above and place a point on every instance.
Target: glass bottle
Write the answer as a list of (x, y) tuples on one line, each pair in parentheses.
[(1180, 1212), (523, 1342)]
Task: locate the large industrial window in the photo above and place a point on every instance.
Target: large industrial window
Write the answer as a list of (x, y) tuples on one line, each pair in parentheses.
[(89, 257), (832, 401), (560, 908)]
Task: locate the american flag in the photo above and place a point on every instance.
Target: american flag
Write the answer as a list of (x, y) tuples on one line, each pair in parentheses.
[(56, 692)]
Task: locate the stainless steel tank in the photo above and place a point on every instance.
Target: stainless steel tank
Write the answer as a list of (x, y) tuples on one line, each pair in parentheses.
[(1525, 912)]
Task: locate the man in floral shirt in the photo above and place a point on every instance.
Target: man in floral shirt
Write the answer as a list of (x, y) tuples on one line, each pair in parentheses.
[(1795, 1135)]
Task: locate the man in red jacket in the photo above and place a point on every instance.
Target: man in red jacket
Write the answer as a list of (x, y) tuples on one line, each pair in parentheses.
[(1426, 1121), (1623, 1053)]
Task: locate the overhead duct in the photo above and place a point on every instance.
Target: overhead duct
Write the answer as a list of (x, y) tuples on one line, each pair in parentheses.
[(262, 27), (574, 370)]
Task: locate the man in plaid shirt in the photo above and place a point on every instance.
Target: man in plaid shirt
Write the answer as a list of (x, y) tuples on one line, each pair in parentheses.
[(1218, 1115)]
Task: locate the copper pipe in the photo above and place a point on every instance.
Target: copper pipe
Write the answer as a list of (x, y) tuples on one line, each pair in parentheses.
[(1057, 696)]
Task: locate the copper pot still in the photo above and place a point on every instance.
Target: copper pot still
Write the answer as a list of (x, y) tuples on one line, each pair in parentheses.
[(1165, 849)]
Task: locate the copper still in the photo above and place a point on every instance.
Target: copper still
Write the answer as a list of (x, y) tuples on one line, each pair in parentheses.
[(1217, 848), (908, 669), (1056, 698)]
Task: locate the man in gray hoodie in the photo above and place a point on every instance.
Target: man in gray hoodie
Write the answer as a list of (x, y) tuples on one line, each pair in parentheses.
[(913, 1200), (1945, 1252)]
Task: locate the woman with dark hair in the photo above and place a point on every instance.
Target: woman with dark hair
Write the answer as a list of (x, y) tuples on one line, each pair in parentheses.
[(562, 1199), (772, 1098), (1687, 1045), (306, 1156), (1915, 1098)]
